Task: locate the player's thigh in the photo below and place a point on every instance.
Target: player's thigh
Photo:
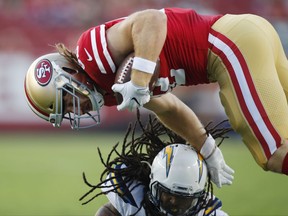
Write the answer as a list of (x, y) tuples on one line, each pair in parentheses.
[(238, 120), (282, 68), (255, 85)]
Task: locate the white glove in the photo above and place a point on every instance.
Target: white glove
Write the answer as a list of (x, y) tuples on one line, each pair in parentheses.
[(133, 96), (221, 173)]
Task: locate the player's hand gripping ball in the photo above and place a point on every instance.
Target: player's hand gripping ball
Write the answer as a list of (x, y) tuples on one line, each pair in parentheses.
[(123, 75)]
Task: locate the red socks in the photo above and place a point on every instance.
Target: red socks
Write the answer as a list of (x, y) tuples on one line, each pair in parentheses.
[(285, 165)]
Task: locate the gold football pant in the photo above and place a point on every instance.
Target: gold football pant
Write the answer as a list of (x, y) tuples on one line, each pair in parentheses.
[(247, 59)]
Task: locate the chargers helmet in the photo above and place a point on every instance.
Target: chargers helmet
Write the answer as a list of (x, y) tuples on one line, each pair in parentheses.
[(48, 79), (178, 180)]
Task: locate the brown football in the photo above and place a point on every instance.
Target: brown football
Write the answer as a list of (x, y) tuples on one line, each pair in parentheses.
[(123, 74)]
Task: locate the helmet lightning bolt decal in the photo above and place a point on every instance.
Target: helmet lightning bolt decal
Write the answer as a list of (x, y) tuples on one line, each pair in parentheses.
[(168, 153), (200, 165)]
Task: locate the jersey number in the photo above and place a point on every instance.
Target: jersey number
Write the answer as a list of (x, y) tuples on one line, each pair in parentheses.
[(179, 76)]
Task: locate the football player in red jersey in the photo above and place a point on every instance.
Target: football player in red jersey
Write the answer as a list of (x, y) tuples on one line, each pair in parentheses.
[(242, 53)]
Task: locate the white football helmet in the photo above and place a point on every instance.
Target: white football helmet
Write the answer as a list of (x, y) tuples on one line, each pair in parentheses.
[(48, 79), (178, 179)]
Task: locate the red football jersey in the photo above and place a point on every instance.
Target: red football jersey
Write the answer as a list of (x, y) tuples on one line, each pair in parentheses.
[(183, 59)]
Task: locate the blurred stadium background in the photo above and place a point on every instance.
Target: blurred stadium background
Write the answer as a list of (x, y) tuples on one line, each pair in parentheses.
[(40, 167)]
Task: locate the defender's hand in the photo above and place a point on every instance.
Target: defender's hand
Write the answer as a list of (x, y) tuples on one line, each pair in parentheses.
[(221, 173), (133, 96)]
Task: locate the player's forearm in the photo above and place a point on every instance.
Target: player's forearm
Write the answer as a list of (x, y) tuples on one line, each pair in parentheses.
[(187, 125), (175, 115)]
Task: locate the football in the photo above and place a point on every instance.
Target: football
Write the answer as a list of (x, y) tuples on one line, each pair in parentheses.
[(123, 74)]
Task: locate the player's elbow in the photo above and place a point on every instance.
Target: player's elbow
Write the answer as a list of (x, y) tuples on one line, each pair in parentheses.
[(152, 14), (157, 17), (154, 18)]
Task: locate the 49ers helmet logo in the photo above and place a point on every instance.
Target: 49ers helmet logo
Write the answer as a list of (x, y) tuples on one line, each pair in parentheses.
[(43, 72)]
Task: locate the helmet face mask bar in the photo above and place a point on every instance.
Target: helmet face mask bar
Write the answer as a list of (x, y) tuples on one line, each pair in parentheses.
[(71, 87), (47, 99), (181, 204)]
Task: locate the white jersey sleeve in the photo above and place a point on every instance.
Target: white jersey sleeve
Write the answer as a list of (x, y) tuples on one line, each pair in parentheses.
[(132, 194)]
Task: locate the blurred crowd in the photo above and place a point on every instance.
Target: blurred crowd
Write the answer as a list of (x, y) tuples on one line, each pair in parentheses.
[(30, 28), (31, 25)]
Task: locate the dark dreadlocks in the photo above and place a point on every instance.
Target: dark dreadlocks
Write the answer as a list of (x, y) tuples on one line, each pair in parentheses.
[(140, 151)]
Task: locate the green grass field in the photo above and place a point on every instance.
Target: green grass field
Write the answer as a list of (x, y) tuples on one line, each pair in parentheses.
[(41, 175)]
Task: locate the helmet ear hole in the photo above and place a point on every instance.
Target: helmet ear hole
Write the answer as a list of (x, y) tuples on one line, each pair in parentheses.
[(69, 70), (51, 106)]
